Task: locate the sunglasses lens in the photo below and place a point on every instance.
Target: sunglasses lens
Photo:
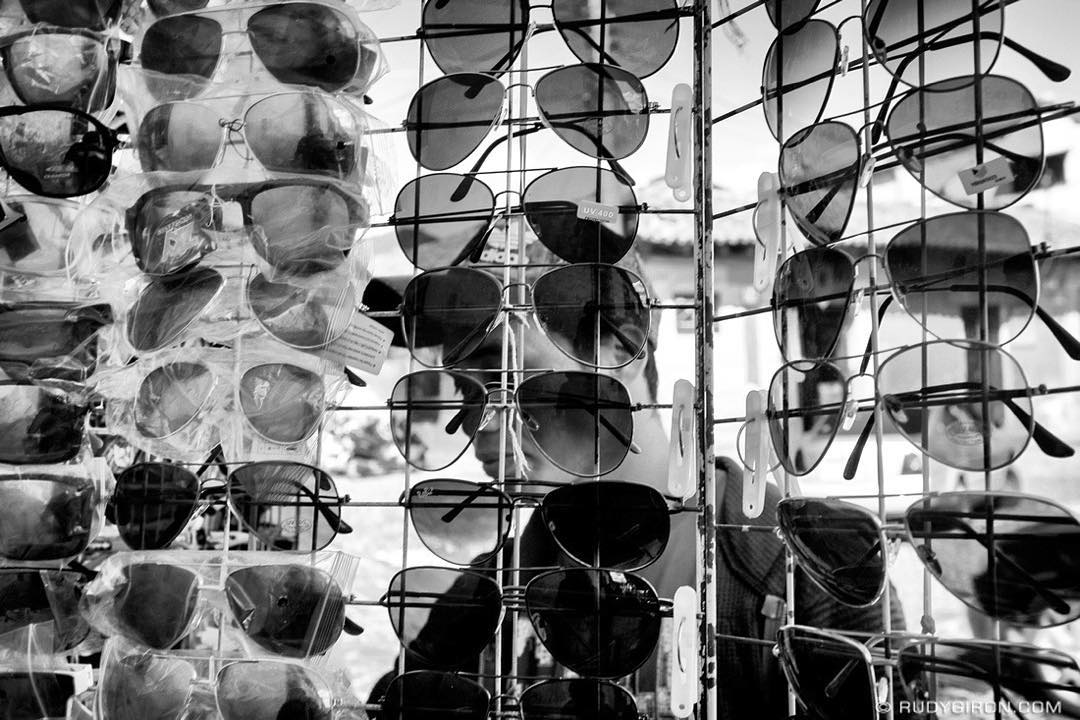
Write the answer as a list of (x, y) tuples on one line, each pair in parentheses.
[(830, 677), (600, 110), (447, 313), (933, 394), (430, 695), (936, 275), (288, 506), (302, 317), (156, 603), (806, 401), (170, 397), (168, 306), (45, 518), (146, 686), (291, 610), (577, 698), (583, 214), (169, 231), (594, 313), (282, 402), (39, 694), (41, 424), (152, 504), (1011, 557), (608, 524), (46, 336), (74, 63), (921, 43), (786, 13), (160, 8), (798, 76), (810, 302), (932, 131), (598, 623), (306, 44), (305, 229), (838, 545), (254, 690), (637, 35), (93, 14), (446, 617), (304, 133), (581, 421), (440, 218), (434, 415), (475, 35), (180, 137), (25, 600), (461, 522), (56, 153), (182, 45), (448, 118), (819, 171)]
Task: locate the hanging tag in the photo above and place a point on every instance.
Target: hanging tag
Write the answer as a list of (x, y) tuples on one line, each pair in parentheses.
[(758, 454), (844, 57), (16, 245), (851, 409), (767, 230), (987, 176), (682, 450), (679, 173), (684, 664), (364, 345), (869, 163)]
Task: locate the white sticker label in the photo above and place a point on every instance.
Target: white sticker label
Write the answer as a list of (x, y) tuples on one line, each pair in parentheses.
[(599, 212), (364, 345), (987, 176)]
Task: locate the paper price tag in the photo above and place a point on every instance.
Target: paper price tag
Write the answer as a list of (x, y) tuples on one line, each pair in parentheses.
[(986, 176), (364, 345)]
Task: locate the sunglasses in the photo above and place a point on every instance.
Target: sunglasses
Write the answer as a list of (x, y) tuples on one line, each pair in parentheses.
[(91, 14), (55, 339), (478, 36), (55, 152), (599, 110), (44, 596), (429, 693), (1006, 555), (43, 421), (933, 394), (293, 132), (80, 66), (45, 236), (934, 274), (301, 317), (285, 505), (581, 422), (46, 517), (595, 314), (598, 623), (314, 44), (299, 226), (41, 692), (612, 524)]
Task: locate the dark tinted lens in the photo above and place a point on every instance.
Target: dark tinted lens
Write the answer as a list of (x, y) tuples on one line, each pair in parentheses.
[(40, 424), (429, 695), (25, 600), (170, 397), (167, 306), (933, 394), (45, 518), (33, 695), (798, 76), (155, 603), (838, 545), (182, 45), (600, 110), (577, 698), (146, 686), (583, 214), (179, 136), (819, 173), (637, 35), (811, 296), (303, 317), (93, 14), (433, 416), (581, 421), (608, 524), (152, 504), (461, 522), (785, 13), (921, 42), (439, 219), (291, 610), (56, 153), (306, 229), (260, 689), (932, 131), (282, 402), (306, 44), (597, 623), (594, 313), (74, 64), (449, 117), (1011, 557), (831, 677), (935, 272), (447, 313), (806, 402), (288, 506), (474, 35), (445, 616), (168, 7), (303, 132), (49, 334), (169, 231)]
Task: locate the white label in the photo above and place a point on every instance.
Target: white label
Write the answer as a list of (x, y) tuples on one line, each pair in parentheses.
[(589, 210), (364, 345), (986, 176)]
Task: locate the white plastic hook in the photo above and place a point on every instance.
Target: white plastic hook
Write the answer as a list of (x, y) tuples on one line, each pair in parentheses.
[(758, 454), (767, 230), (682, 451), (684, 666), (679, 171)]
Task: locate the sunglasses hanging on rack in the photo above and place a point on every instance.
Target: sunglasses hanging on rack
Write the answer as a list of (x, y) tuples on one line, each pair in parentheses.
[(60, 66)]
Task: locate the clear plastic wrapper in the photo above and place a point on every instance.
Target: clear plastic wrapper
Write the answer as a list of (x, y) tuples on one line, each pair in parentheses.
[(42, 420), (269, 604), (92, 14), (50, 597), (51, 339)]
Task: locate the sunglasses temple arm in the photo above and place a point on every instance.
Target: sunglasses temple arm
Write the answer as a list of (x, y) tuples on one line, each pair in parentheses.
[(616, 168), (472, 497), (1047, 441), (216, 457), (852, 465), (870, 341)]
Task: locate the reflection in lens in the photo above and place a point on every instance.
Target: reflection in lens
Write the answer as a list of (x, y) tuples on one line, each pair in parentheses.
[(430, 695), (578, 698), (168, 306), (306, 44), (639, 36), (433, 416), (153, 503), (170, 397), (819, 172), (449, 117), (270, 689), (830, 676), (439, 219), (806, 402), (179, 136), (45, 517), (495, 34), (283, 403), (811, 295), (155, 603), (461, 522), (447, 313), (288, 506), (798, 76), (303, 132)]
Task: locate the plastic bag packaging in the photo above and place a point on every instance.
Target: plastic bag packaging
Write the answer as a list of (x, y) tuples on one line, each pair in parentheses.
[(90, 14), (272, 604), (34, 680), (50, 597), (52, 339), (239, 46)]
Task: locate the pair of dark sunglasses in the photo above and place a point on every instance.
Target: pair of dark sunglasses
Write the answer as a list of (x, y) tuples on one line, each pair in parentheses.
[(51, 339), (42, 420), (80, 66), (90, 14), (46, 517)]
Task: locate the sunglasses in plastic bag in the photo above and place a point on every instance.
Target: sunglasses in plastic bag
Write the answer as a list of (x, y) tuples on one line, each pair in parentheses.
[(41, 421), (69, 67), (42, 692), (44, 596), (54, 339), (47, 515), (49, 237), (92, 14)]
